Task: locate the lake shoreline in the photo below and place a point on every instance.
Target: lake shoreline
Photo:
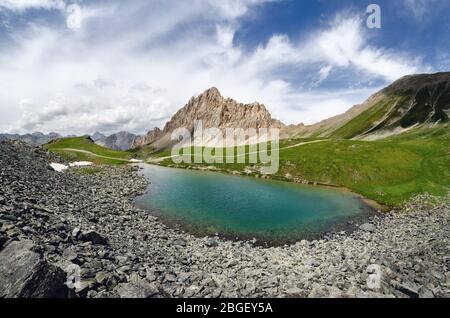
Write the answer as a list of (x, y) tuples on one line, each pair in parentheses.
[(87, 221), (347, 225), (164, 181), (380, 207), (344, 228)]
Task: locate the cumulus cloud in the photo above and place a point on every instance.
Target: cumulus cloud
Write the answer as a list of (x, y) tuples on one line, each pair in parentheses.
[(132, 68), (344, 45)]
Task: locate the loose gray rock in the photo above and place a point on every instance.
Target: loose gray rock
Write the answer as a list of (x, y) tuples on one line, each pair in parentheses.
[(408, 288), (368, 227), (180, 242), (137, 290), (93, 237), (293, 292), (3, 240), (24, 274), (211, 242), (75, 232), (69, 254)]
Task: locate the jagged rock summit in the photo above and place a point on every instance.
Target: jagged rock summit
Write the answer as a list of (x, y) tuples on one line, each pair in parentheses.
[(213, 110)]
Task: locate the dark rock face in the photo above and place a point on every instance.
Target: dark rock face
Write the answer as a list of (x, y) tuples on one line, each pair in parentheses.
[(24, 274), (428, 98)]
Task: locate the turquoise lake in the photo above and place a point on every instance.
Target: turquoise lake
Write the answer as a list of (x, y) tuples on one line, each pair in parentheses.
[(243, 207)]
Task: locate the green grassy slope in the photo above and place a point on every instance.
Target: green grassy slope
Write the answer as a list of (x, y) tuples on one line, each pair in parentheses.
[(369, 119), (146, 152), (63, 147), (388, 171)]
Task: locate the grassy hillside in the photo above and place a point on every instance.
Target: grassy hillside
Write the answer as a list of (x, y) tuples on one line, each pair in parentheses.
[(388, 171), (84, 149), (370, 119), (146, 152)]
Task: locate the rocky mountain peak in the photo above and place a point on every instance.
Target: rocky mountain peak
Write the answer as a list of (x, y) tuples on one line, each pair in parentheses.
[(213, 110), (212, 93), (149, 138), (217, 111)]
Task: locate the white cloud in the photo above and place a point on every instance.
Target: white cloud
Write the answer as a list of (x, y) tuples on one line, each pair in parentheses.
[(323, 74), (343, 44), (132, 68), (22, 5)]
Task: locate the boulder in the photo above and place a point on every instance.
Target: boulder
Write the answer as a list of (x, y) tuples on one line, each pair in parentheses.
[(180, 242), (211, 243), (25, 274), (368, 227), (93, 237), (293, 292), (75, 232), (408, 288), (137, 289), (3, 240)]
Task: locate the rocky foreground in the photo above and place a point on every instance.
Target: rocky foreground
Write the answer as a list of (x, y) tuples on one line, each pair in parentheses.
[(77, 234)]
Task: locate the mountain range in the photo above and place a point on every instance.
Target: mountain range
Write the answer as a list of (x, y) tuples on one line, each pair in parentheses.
[(408, 102), (35, 139)]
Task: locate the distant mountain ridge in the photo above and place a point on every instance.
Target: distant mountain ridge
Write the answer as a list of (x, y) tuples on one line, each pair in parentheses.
[(35, 139), (120, 141), (97, 136)]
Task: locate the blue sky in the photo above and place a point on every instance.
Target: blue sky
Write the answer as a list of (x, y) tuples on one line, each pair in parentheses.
[(129, 65)]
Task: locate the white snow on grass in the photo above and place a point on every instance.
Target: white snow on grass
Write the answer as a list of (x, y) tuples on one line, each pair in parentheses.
[(58, 167), (81, 164)]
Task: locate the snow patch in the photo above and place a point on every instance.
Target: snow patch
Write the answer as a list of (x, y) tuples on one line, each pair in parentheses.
[(58, 167), (81, 164)]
